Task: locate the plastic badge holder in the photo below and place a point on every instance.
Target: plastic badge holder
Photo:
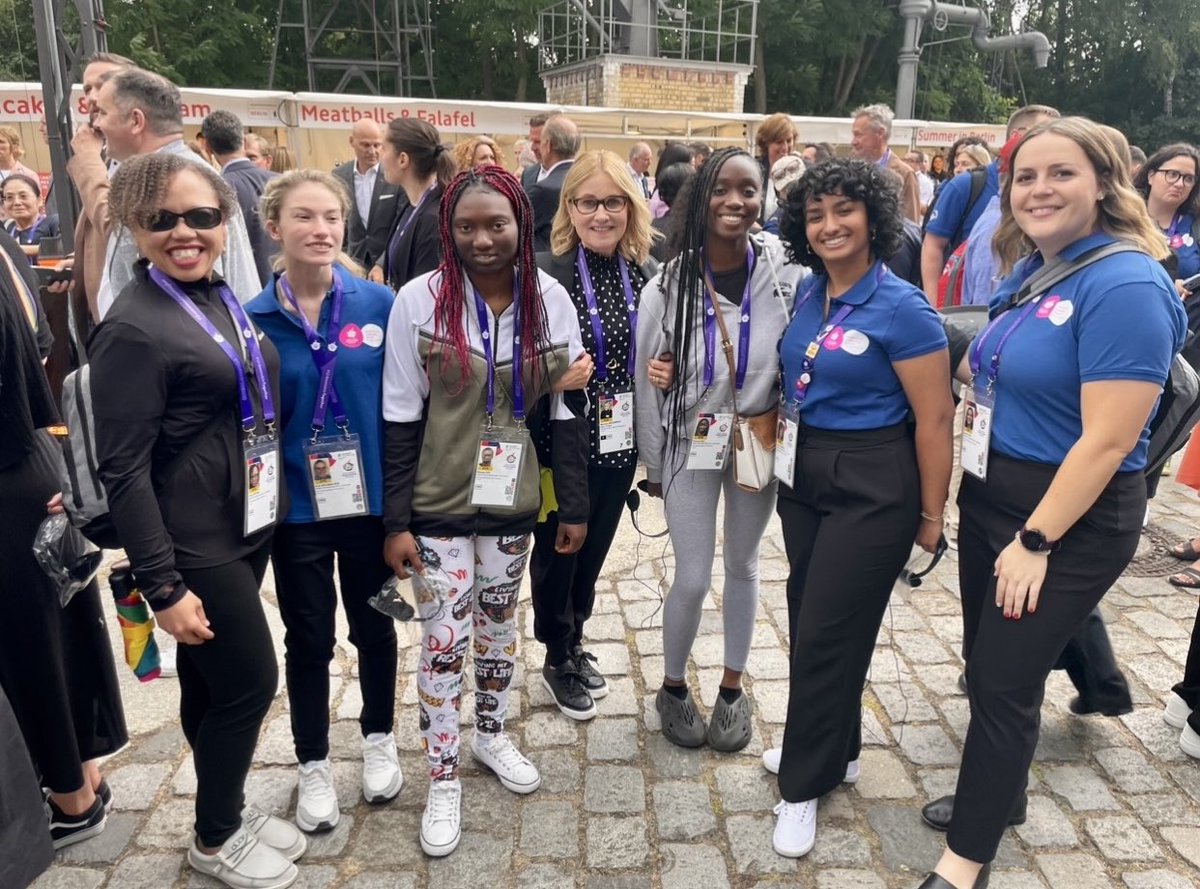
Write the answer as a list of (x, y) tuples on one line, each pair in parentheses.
[(69, 559), (391, 602)]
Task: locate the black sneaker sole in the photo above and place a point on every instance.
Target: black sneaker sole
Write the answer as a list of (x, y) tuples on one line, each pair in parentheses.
[(569, 712)]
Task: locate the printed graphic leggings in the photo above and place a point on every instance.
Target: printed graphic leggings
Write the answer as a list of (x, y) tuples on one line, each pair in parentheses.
[(470, 582)]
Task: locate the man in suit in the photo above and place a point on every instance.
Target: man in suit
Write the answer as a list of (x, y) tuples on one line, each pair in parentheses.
[(560, 144), (869, 142), (373, 203), (640, 157), (531, 174), (225, 139)]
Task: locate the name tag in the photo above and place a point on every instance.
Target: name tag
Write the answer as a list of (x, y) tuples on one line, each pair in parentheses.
[(977, 432), (498, 467), (787, 432), (614, 422), (710, 441), (261, 471), (335, 477)]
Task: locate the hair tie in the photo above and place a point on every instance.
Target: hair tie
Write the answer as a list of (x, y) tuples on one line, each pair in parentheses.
[(441, 146)]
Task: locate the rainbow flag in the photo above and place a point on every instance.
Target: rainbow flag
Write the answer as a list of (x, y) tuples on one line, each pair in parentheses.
[(137, 626)]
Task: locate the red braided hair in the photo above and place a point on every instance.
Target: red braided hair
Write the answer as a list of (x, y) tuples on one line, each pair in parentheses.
[(451, 294)]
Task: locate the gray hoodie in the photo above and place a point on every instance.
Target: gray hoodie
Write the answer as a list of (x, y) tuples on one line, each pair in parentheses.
[(773, 288)]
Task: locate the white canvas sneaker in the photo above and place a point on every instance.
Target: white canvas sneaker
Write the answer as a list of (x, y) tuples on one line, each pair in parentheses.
[(1177, 711), (772, 757), (441, 822), (795, 828), (514, 771)]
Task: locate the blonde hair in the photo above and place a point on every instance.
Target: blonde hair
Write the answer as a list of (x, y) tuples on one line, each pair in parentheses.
[(977, 153), (282, 159), (270, 207), (635, 243), (14, 139), (1122, 210), (464, 152)]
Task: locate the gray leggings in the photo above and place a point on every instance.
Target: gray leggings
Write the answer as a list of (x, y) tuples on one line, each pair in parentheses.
[(691, 507)]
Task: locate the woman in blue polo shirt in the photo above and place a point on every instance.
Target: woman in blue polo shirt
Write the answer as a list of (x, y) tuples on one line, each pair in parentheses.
[(1054, 492), (864, 351), (328, 325), (1170, 183)]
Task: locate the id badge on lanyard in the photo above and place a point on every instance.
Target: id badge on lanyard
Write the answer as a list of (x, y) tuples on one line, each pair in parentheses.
[(614, 422), (977, 431), (614, 417), (787, 433), (710, 441), (335, 477), (261, 465)]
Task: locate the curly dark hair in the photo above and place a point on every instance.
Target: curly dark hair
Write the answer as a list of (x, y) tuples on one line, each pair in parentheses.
[(141, 183), (858, 180)]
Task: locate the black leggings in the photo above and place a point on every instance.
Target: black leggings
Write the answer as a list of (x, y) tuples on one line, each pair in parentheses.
[(302, 559), (226, 687), (1009, 660)]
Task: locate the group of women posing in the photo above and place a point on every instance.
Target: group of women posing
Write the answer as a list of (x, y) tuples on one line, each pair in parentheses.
[(457, 432)]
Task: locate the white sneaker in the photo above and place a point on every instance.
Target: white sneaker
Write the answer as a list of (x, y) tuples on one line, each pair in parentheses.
[(381, 776), (245, 862), (317, 805), (1177, 712), (168, 655), (795, 828), (772, 757), (514, 771), (440, 824), (275, 832), (1189, 741)]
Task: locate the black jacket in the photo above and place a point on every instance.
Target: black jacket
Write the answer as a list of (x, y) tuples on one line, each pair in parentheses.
[(420, 250), (544, 197), (158, 382), (367, 239), (249, 182)]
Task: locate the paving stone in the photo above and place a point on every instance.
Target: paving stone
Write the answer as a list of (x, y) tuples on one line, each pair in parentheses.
[(550, 830), (560, 772), (388, 838), (549, 729), (620, 881), (154, 869), (905, 842), (616, 842), (1073, 871), (545, 876), (839, 847), (1130, 771), (835, 806), (271, 790), (769, 663), (1159, 738), (1121, 838), (1187, 776), (1156, 879), (1047, 824), (1155, 625), (382, 880), (612, 659), (1161, 809), (622, 699), (683, 810), (184, 782), (613, 789), (1185, 841), (479, 860), (59, 877), (1081, 786), (746, 788), (1015, 880), (648, 642), (927, 745), (923, 648), (604, 627), (612, 739), (904, 702), (1156, 672), (135, 786), (667, 760), (331, 843), (883, 777), (315, 876), (108, 846), (750, 843), (163, 746), (170, 827), (686, 867), (1057, 741), (770, 700), (838, 878)]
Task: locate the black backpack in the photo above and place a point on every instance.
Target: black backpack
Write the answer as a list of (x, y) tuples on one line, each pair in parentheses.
[(978, 181)]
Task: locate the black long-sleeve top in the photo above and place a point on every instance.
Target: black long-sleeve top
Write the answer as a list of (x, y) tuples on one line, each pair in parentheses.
[(159, 381)]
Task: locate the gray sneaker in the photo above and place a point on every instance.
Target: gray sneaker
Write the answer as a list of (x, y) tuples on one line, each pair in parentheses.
[(681, 722), (729, 729)]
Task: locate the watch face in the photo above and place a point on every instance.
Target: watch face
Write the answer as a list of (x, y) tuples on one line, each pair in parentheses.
[(1033, 540)]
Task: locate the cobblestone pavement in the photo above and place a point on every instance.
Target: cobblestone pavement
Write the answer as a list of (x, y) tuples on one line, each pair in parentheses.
[(1113, 802)]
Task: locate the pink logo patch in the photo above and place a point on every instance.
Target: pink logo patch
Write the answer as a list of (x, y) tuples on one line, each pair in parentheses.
[(351, 336), (833, 342), (1047, 306)]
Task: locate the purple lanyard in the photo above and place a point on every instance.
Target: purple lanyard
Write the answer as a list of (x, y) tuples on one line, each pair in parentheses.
[(249, 420), (324, 354), (976, 354), (710, 326), (589, 294), (1174, 241), (489, 355), (23, 237), (403, 230)]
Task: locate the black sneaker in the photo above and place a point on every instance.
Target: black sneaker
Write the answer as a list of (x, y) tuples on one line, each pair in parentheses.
[(593, 679), (570, 694), (66, 830), (104, 792)]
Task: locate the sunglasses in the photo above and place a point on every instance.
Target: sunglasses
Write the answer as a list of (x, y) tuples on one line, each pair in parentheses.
[(613, 204), (913, 577), (198, 218)]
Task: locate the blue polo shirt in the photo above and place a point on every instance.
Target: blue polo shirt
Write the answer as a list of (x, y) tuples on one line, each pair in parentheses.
[(358, 379), (854, 385), (1184, 246), (952, 203), (1117, 319)]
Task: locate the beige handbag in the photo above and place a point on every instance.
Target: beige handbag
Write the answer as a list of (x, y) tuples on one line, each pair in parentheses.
[(753, 437)]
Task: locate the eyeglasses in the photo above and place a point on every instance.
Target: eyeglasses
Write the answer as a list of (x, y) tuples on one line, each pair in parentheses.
[(912, 577), (197, 218), (1173, 176), (614, 203)]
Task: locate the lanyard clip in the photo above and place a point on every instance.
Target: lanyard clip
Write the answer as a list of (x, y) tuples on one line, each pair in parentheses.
[(316, 433), (344, 428)]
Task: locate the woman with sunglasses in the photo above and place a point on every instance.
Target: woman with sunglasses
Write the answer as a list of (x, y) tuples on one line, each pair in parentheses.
[(684, 435), (185, 394), (471, 348), (328, 325), (601, 243), (863, 353)]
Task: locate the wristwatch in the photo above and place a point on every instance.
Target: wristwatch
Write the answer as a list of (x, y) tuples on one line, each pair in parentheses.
[(1035, 541)]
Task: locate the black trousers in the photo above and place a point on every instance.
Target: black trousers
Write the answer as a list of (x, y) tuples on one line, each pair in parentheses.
[(564, 587), (1010, 659), (1189, 688), (848, 528), (226, 687), (302, 560), (1092, 666)]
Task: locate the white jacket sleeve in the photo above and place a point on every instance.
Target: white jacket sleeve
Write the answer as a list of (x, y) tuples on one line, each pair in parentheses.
[(650, 403)]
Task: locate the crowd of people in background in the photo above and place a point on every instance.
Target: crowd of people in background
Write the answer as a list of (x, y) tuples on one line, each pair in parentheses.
[(439, 363)]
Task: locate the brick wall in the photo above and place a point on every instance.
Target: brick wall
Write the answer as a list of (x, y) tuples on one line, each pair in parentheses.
[(617, 82)]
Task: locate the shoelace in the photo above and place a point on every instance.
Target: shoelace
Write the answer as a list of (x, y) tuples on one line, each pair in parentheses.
[(443, 802), (317, 782), (377, 755), (794, 811), (505, 753)]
